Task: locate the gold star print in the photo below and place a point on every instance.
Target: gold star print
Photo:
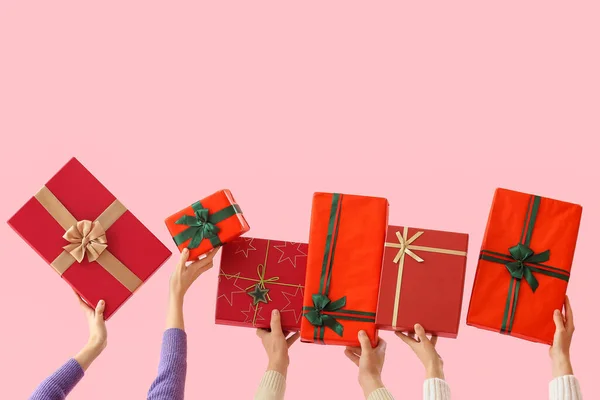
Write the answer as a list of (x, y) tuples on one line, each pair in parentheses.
[(290, 251), (250, 314), (244, 245), (229, 298), (297, 315)]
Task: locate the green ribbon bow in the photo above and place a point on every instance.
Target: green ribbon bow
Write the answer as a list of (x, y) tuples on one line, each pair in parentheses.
[(519, 269), (521, 263), (203, 225), (322, 303), (319, 314)]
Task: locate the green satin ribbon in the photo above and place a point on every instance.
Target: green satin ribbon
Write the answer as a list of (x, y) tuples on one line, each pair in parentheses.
[(325, 313), (321, 304), (203, 225), (521, 263)]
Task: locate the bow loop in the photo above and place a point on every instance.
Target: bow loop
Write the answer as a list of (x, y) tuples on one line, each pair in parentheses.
[(85, 237), (323, 303)]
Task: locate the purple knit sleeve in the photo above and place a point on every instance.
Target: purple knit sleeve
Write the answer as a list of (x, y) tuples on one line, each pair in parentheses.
[(58, 385), (170, 382)]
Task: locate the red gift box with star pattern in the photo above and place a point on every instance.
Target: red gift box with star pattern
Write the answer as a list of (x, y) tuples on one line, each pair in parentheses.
[(258, 276)]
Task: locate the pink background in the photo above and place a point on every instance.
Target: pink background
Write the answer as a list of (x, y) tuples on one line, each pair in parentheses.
[(432, 105)]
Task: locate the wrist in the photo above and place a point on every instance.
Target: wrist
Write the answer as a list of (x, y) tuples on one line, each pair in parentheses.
[(561, 366), (369, 383), (280, 366), (435, 370)]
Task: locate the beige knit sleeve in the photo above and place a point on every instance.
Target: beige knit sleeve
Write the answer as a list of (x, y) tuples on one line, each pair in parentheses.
[(380, 394), (565, 388), (272, 387), (436, 389)]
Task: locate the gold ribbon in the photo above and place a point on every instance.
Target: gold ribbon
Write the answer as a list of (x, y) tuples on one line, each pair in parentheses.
[(405, 246), (87, 237), (261, 270)]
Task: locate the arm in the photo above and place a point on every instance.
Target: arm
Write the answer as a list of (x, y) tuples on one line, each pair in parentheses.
[(172, 368), (564, 385), (58, 385), (434, 387), (272, 385)]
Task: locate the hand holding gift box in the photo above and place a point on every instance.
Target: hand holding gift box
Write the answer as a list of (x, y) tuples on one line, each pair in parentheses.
[(89, 237), (422, 280), (347, 235), (258, 276), (524, 265), (207, 224)]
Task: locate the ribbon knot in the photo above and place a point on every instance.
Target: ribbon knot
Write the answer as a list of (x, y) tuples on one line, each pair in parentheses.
[(85, 237), (317, 317), (200, 226), (520, 269)]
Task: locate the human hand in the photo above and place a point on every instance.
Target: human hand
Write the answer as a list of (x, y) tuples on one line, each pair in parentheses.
[(369, 361), (276, 345), (563, 335), (424, 348), (184, 275), (98, 336)]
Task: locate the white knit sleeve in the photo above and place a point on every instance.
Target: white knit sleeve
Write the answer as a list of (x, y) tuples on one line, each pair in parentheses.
[(565, 388), (436, 389), (380, 394), (272, 386)]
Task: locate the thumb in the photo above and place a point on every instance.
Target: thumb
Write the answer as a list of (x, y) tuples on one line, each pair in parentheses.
[(420, 332), (365, 342), (99, 314), (276, 322), (558, 321)]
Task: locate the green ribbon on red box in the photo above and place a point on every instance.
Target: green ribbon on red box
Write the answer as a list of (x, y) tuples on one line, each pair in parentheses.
[(203, 225), (325, 313), (521, 263)]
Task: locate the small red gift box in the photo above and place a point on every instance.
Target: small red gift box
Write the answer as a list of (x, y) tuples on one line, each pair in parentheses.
[(257, 276), (206, 224), (98, 247), (422, 280)]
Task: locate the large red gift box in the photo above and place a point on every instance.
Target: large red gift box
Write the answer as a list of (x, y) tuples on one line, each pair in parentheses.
[(422, 280), (208, 223), (524, 265), (98, 246), (345, 252), (257, 276)]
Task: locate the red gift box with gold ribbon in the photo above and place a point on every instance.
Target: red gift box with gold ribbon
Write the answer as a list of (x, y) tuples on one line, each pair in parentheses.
[(257, 276), (422, 280), (89, 237), (524, 265)]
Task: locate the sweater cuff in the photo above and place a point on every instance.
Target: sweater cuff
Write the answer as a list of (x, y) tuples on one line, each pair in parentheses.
[(380, 394), (565, 387), (174, 342), (436, 389), (273, 381)]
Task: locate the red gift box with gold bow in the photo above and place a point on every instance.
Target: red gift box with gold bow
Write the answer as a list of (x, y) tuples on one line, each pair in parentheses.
[(89, 237)]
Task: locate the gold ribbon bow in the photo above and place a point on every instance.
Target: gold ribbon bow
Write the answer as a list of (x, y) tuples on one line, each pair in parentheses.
[(261, 269), (86, 237), (406, 246)]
